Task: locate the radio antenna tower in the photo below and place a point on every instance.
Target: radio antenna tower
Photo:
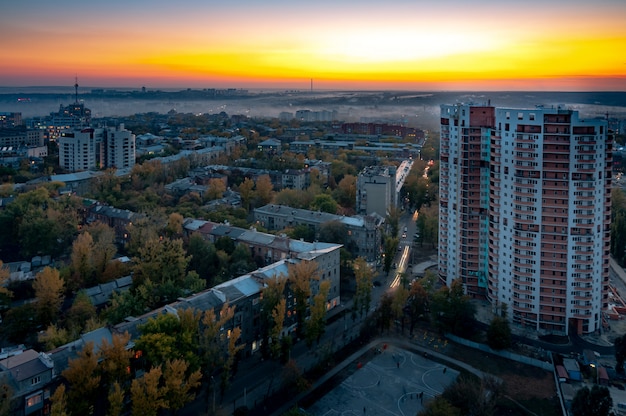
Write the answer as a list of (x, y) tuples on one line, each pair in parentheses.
[(76, 89)]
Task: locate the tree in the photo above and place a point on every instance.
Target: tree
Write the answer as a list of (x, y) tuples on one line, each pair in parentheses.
[(276, 328), (273, 292), (203, 258), (115, 359), (299, 277), (594, 402), (417, 303), (300, 231), (4, 278), (178, 386), (263, 190), (363, 295), (6, 396), (164, 264), (246, 192), (161, 261), (232, 353), (241, 261), (141, 231), (128, 303), (316, 324), (324, 203), (167, 337), (452, 310), (18, 322), (59, 402), (620, 353), (103, 252), (399, 300), (499, 331), (333, 232), (439, 406), (385, 311), (146, 394), (472, 397), (54, 337), (428, 224), (390, 246), (345, 193), (174, 227), (211, 343), (293, 380), (48, 288), (116, 400), (294, 198), (81, 262), (81, 374), (81, 311), (393, 219), (217, 187)]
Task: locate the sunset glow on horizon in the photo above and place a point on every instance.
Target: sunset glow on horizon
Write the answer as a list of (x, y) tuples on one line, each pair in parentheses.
[(566, 45)]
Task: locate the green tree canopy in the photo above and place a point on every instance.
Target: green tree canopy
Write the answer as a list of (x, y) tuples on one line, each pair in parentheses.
[(452, 310), (594, 402)]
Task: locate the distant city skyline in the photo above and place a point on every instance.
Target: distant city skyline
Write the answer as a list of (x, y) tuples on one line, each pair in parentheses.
[(558, 45)]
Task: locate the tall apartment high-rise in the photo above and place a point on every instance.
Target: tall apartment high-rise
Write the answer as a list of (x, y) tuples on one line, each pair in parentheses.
[(525, 211), (92, 148)]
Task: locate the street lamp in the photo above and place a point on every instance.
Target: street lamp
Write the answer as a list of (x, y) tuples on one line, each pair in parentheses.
[(597, 368)]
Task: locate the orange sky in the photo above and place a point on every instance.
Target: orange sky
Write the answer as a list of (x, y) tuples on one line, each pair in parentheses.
[(398, 44)]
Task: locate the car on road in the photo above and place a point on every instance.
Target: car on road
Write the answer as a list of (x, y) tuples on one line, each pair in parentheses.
[(377, 283)]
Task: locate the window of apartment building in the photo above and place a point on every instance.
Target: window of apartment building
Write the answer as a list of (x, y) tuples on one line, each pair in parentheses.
[(34, 400), (35, 380)]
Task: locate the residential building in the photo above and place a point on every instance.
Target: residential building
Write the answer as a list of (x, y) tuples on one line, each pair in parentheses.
[(9, 120), (27, 373), (378, 187), (382, 129), (78, 183), (72, 116), (271, 146), (525, 211), (119, 219), (20, 136), (362, 232), (295, 179), (119, 148), (92, 148), (80, 149)]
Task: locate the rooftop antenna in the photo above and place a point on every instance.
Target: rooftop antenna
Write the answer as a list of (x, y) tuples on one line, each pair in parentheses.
[(311, 84), (76, 89)]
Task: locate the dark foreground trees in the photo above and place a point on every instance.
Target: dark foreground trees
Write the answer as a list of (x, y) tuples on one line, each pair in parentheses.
[(594, 402)]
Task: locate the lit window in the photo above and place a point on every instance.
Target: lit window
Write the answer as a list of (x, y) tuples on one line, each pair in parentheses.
[(32, 401)]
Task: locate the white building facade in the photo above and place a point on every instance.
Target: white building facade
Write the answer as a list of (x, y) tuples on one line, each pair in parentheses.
[(524, 216), (96, 148), (119, 148), (79, 149)]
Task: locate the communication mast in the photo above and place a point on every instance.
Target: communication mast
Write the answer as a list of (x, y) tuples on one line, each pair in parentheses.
[(76, 90)]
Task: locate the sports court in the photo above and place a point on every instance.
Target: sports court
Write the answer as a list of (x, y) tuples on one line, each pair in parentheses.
[(394, 382)]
